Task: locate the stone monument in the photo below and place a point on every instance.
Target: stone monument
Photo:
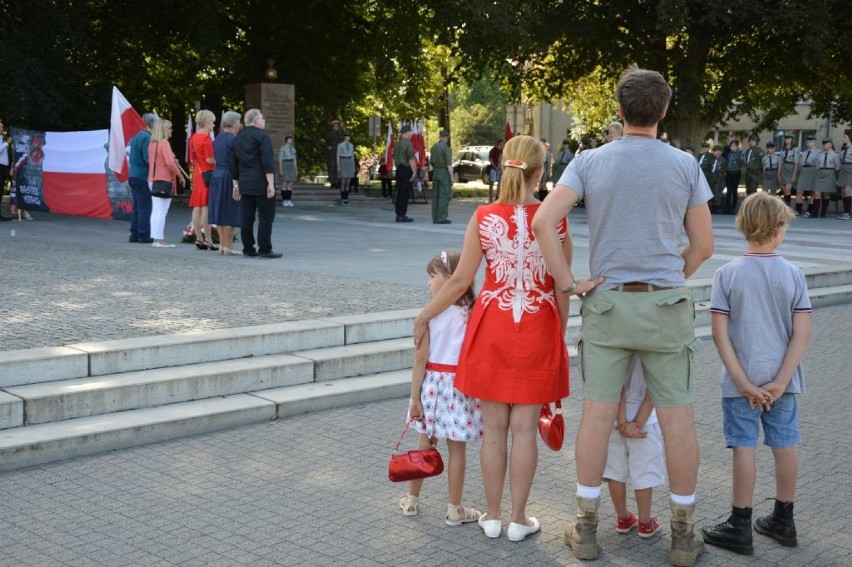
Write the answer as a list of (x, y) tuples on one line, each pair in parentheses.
[(277, 102)]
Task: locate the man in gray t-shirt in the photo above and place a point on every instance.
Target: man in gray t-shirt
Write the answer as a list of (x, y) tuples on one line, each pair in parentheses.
[(641, 196)]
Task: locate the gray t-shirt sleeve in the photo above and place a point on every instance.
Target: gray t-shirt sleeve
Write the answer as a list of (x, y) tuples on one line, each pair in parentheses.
[(572, 176), (701, 192), (718, 296), (802, 302)]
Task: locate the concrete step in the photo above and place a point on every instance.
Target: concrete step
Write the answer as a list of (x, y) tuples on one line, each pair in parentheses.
[(48, 442), (36, 444), (83, 397), (334, 363)]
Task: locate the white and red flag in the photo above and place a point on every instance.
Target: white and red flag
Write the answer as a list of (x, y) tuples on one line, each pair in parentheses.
[(124, 123), (389, 143), (73, 175)]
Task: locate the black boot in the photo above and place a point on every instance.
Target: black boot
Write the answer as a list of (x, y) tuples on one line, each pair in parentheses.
[(779, 525), (734, 534)]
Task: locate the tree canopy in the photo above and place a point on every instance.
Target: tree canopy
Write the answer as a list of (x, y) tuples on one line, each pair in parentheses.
[(398, 59)]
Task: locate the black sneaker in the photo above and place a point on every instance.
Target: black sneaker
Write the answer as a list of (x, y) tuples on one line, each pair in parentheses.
[(404, 219), (250, 253), (270, 254)]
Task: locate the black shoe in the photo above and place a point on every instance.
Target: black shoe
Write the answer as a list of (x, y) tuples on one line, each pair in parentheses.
[(447, 221), (270, 254), (250, 253), (145, 240), (404, 219), (733, 534), (4, 219), (133, 240), (779, 525)]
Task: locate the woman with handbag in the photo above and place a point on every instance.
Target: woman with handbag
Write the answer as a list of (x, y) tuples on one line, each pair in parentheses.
[(203, 164), (163, 169), (514, 357)]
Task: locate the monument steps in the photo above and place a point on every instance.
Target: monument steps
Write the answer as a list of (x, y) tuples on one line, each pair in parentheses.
[(88, 398)]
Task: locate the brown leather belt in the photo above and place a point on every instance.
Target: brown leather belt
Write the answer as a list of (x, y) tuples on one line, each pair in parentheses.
[(640, 286)]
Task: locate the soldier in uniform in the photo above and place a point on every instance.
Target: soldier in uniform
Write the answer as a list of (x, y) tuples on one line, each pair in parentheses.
[(789, 166), (753, 164), (716, 178), (845, 178), (734, 163), (442, 178), (705, 160), (406, 173), (827, 164), (807, 173), (770, 162), (332, 138), (562, 160)]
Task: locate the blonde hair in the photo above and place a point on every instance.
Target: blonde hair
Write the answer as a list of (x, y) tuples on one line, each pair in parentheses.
[(160, 131), (204, 117), (761, 216), (446, 263), (522, 158)]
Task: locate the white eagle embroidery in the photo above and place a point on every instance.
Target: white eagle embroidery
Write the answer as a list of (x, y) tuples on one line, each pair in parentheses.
[(517, 264)]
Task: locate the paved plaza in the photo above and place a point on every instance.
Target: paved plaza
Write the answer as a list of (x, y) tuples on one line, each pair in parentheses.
[(313, 489)]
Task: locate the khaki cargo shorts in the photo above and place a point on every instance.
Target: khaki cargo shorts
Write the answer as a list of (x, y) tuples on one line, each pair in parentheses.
[(658, 326)]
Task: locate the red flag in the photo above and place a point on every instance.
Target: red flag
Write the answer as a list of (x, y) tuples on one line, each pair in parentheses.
[(389, 148), (124, 123), (508, 132), (419, 145)]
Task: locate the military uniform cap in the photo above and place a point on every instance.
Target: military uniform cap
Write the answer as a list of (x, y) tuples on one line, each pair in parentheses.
[(788, 135), (827, 140), (810, 137), (566, 141), (405, 129), (443, 133), (770, 144), (754, 137)]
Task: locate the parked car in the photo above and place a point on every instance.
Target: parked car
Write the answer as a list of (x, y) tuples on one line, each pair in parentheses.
[(471, 164)]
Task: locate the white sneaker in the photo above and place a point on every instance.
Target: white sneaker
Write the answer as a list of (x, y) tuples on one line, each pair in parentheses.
[(27, 216), (290, 204), (845, 216), (164, 245)]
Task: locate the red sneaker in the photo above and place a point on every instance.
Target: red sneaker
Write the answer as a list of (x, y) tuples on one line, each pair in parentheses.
[(649, 529), (624, 525)]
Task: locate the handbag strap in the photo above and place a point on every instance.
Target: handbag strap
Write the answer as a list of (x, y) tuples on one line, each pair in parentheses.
[(432, 440)]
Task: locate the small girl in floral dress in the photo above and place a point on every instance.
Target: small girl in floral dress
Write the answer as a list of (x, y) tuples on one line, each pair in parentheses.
[(441, 410)]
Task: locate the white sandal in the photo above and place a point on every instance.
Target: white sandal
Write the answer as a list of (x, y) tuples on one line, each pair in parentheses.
[(409, 505), (458, 515)]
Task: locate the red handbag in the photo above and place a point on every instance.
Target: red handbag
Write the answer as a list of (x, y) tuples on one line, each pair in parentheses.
[(414, 464), (552, 426)]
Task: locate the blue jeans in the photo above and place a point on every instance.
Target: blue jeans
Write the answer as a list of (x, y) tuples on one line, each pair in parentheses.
[(140, 216)]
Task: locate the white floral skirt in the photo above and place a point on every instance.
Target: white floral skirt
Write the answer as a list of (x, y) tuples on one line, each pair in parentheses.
[(447, 413)]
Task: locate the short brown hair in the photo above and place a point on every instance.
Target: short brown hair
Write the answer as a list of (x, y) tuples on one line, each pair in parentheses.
[(643, 95), (761, 216)]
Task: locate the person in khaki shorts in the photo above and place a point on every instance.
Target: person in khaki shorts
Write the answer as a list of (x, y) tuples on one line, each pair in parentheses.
[(643, 306)]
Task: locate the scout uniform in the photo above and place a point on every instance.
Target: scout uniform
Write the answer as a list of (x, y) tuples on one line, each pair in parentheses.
[(346, 167), (705, 160), (771, 161), (332, 138), (735, 160), (753, 166), (789, 164), (562, 160), (807, 167), (845, 179), (716, 177), (403, 153), (827, 165), (442, 181)]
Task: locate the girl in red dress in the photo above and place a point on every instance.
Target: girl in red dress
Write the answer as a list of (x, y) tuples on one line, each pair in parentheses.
[(514, 356), (203, 164)]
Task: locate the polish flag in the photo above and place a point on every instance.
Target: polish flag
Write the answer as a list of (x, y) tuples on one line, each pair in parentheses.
[(389, 142), (508, 132), (417, 142), (124, 123), (74, 175)]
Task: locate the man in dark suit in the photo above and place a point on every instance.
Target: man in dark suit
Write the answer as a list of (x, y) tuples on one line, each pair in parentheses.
[(253, 170)]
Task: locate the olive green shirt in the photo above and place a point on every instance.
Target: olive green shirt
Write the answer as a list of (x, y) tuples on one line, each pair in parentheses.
[(441, 155), (403, 152)]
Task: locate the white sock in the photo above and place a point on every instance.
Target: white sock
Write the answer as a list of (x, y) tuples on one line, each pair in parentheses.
[(588, 491), (680, 500)]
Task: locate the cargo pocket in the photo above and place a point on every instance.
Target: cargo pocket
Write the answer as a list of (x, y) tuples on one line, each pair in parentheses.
[(692, 348), (597, 318), (676, 316)]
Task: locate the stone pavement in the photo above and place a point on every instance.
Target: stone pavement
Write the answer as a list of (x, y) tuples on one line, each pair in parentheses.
[(313, 489)]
